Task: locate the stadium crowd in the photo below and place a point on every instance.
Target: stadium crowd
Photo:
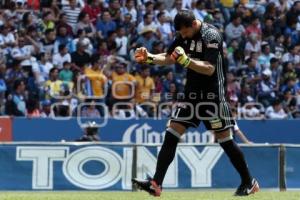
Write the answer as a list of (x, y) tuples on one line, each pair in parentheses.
[(69, 57)]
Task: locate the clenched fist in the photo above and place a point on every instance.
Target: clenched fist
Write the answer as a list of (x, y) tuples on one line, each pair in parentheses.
[(141, 56)]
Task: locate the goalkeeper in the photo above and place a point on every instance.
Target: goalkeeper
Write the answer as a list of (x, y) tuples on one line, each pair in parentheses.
[(198, 48)]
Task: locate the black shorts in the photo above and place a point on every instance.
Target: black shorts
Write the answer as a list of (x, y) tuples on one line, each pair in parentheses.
[(215, 114)]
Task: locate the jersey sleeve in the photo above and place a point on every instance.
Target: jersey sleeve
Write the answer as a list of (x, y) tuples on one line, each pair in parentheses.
[(214, 44), (178, 41)]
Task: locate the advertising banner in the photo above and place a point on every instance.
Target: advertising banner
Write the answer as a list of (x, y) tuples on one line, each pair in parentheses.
[(5, 129), (149, 130), (111, 167), (292, 167)]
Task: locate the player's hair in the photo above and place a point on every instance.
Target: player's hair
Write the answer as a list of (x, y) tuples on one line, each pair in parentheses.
[(184, 18)]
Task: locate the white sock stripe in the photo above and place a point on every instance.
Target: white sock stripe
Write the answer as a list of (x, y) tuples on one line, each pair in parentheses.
[(175, 133)]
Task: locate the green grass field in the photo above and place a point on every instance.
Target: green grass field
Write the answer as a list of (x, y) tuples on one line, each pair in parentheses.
[(167, 195)]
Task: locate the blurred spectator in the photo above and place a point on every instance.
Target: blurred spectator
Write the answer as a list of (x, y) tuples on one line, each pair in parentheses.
[(61, 57), (290, 84), (80, 58), (19, 98), (72, 11), (233, 86), (176, 7), (114, 9), (276, 71), (63, 38), (105, 24), (47, 43), (14, 73), (292, 55), (275, 111), (235, 30), (122, 43), (129, 8), (41, 71), (289, 103), (62, 22), (288, 72), (24, 53), (164, 28), (123, 83), (170, 86), (160, 7), (278, 46), (266, 55), (33, 108), (7, 39), (266, 88), (93, 9), (90, 110), (199, 10), (253, 45), (147, 38), (66, 75), (148, 24), (82, 37), (84, 23), (250, 111), (254, 28), (145, 85), (46, 109), (96, 83), (53, 86), (47, 22)]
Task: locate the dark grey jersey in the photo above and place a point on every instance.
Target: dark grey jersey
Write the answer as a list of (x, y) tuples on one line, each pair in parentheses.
[(206, 45)]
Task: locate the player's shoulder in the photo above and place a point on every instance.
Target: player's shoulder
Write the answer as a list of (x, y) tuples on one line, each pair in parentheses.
[(210, 34)]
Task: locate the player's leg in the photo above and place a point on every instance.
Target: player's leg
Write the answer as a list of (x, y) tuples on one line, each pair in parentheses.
[(249, 185), (168, 149), (222, 124), (182, 119), (165, 158)]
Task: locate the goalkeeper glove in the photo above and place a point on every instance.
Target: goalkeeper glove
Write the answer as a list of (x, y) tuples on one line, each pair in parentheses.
[(179, 55), (141, 56)]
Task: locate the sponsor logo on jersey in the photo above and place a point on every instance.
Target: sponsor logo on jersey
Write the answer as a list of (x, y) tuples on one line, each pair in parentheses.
[(213, 45)]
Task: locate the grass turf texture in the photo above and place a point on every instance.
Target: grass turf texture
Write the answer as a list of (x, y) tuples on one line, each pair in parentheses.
[(166, 195)]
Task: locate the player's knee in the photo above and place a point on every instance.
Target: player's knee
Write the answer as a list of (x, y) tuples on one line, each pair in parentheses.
[(224, 135), (176, 129)]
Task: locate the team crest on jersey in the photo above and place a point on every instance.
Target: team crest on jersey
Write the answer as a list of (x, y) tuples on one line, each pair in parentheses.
[(192, 46), (199, 47)]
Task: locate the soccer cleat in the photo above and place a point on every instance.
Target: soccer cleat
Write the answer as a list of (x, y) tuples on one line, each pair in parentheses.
[(245, 190), (148, 185)]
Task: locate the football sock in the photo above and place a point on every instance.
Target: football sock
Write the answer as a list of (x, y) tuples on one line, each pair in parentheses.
[(166, 155), (237, 158)]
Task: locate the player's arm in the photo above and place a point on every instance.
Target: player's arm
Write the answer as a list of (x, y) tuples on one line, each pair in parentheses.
[(199, 66), (202, 67), (143, 56)]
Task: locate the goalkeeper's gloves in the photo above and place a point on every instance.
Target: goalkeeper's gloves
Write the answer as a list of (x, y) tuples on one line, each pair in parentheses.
[(142, 56), (179, 56)]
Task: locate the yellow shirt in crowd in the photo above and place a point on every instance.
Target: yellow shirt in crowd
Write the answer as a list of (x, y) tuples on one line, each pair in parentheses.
[(55, 87), (98, 81), (123, 85), (144, 88), (227, 3)]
